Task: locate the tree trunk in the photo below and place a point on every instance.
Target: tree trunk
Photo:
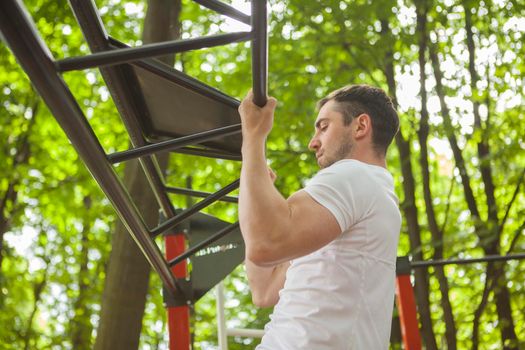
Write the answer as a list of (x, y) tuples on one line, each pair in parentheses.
[(127, 275), (437, 234), (410, 210), (128, 271), (482, 144), (37, 294), (38, 288), (502, 295), (9, 199), (81, 326), (482, 229)]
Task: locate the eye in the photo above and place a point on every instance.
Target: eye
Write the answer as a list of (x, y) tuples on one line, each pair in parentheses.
[(324, 127)]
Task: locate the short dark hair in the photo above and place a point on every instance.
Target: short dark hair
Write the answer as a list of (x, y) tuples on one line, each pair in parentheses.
[(354, 100)]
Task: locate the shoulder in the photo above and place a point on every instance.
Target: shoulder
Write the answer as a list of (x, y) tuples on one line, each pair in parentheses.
[(347, 172), (340, 189), (350, 189)]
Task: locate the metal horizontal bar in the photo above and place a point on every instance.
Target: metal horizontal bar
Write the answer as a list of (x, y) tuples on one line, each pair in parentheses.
[(245, 332), (177, 219), (123, 55), (259, 52), (170, 145), (225, 9), (193, 193), (205, 152), (488, 258), (204, 243)]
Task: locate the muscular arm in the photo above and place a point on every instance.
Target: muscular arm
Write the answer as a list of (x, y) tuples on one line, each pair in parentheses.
[(275, 230), (266, 282)]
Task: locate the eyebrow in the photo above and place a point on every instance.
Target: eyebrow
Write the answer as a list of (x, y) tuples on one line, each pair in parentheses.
[(318, 123)]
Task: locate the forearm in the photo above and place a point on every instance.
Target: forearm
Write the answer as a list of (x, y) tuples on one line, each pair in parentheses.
[(259, 279), (263, 212), (265, 282)]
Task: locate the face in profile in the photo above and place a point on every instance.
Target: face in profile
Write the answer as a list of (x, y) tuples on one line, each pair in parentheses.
[(332, 140)]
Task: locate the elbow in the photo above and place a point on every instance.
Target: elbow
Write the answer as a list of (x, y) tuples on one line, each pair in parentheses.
[(263, 301), (267, 252), (265, 246), (261, 256)]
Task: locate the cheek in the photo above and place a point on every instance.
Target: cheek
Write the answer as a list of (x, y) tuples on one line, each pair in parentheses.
[(331, 136)]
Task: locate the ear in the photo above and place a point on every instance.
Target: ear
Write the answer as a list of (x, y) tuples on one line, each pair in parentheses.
[(362, 126)]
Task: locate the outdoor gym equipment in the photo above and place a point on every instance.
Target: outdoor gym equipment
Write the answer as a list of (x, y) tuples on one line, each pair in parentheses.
[(156, 102)]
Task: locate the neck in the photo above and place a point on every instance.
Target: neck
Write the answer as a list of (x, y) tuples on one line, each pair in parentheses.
[(368, 156)]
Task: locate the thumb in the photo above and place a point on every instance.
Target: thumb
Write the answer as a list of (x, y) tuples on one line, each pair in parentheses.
[(271, 103)]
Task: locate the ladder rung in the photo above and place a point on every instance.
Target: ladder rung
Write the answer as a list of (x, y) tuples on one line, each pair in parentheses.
[(170, 145), (113, 57), (225, 9), (206, 242), (193, 193), (174, 221), (245, 332)]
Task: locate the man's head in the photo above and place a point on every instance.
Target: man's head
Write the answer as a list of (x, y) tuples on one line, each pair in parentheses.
[(355, 117)]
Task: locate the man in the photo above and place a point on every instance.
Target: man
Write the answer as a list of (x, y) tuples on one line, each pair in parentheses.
[(325, 257)]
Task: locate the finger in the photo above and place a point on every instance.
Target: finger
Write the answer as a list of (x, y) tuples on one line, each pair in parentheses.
[(271, 103), (249, 95), (272, 174), (246, 100)]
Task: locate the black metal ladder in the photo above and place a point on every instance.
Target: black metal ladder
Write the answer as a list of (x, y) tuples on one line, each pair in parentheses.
[(150, 129)]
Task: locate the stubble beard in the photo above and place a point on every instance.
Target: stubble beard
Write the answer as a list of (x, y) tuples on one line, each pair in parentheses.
[(342, 152)]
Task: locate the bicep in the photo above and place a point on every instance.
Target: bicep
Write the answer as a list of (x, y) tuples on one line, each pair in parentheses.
[(302, 226), (312, 225)]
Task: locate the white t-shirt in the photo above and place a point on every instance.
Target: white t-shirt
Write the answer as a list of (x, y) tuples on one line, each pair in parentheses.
[(342, 295)]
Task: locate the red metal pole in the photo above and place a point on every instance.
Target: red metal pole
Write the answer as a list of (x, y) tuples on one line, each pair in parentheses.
[(406, 306), (178, 316)]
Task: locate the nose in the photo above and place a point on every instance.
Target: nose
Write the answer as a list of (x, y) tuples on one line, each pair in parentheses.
[(314, 144)]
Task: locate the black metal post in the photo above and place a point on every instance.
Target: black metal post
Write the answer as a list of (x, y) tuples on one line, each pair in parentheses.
[(22, 37), (193, 193), (225, 9), (170, 145), (113, 57), (259, 52), (177, 219), (204, 243)]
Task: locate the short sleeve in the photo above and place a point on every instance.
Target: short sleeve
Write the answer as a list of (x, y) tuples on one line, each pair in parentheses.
[(332, 188)]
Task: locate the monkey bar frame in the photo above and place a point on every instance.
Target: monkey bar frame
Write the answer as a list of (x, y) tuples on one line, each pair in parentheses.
[(119, 66)]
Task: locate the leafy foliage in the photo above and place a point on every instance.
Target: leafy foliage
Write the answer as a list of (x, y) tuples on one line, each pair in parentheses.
[(55, 223)]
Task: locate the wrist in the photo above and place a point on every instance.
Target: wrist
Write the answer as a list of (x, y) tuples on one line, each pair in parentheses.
[(253, 143)]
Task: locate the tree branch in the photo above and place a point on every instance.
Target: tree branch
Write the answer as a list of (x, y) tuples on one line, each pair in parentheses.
[(514, 240), (509, 205), (447, 209)]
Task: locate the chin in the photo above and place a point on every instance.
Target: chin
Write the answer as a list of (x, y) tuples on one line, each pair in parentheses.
[(323, 165), (327, 162)]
